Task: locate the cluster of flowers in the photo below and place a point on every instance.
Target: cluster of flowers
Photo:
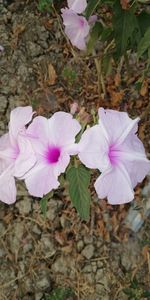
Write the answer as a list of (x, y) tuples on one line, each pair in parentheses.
[(76, 26), (38, 150)]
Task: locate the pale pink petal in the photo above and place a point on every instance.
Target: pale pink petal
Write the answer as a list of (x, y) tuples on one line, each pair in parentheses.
[(7, 186), (72, 149), (76, 28), (116, 125), (93, 149), (77, 39), (4, 142), (134, 158), (115, 185), (26, 158), (5, 148), (74, 107), (63, 129), (19, 117), (41, 180), (69, 17), (62, 164), (77, 5), (137, 170), (92, 20), (6, 152), (38, 129)]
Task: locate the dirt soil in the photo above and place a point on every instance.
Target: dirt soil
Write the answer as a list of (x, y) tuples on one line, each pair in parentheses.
[(98, 259)]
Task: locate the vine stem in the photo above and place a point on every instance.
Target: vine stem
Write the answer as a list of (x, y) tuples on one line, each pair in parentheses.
[(101, 84)]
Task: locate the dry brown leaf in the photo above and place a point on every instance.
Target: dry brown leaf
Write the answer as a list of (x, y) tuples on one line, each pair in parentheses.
[(116, 97), (51, 75), (101, 227), (48, 23), (16, 33), (144, 88), (107, 236), (8, 218), (145, 251), (114, 221), (60, 237), (117, 79)]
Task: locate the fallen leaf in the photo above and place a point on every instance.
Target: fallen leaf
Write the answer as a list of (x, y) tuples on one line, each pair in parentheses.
[(116, 97), (144, 88), (60, 237), (117, 79), (17, 31), (145, 251), (51, 75)]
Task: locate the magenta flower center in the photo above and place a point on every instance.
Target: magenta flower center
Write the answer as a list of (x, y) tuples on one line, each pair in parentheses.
[(81, 23), (52, 154), (113, 155)]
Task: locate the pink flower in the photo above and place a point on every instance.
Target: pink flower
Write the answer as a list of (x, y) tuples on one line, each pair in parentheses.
[(77, 5), (16, 153), (113, 147), (74, 107), (53, 141), (76, 28)]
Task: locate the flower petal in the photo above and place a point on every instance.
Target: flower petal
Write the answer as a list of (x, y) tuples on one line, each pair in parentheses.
[(117, 125), (76, 28), (134, 158), (19, 117), (115, 185), (77, 5), (39, 130), (63, 129), (41, 180), (93, 149), (26, 158), (62, 164), (7, 186), (92, 20)]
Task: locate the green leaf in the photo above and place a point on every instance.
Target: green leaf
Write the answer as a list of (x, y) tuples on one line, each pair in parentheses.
[(94, 36), (134, 284), (108, 2), (107, 34), (43, 203), (92, 4), (79, 179), (128, 291), (107, 64), (144, 21), (45, 5), (126, 28), (144, 44), (146, 294), (60, 294)]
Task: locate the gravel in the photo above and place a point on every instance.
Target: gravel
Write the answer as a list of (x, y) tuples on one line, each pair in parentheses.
[(88, 251), (24, 206)]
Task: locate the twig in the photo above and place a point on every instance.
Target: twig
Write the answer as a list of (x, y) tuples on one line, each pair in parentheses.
[(145, 113), (98, 68)]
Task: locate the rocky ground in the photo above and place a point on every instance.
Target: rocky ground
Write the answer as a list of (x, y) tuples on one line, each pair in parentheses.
[(98, 259)]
